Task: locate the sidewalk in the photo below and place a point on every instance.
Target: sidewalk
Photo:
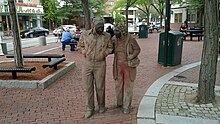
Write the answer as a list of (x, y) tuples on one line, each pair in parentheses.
[(64, 100), (169, 100)]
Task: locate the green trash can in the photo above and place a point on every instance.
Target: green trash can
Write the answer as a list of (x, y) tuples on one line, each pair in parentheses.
[(174, 50), (143, 31)]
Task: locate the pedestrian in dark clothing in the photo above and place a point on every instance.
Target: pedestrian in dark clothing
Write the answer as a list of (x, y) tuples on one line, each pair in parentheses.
[(183, 28), (110, 31)]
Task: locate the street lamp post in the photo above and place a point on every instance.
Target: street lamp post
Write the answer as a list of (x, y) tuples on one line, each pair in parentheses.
[(167, 28)]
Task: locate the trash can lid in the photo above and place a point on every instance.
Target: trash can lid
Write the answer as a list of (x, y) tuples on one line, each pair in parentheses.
[(175, 33)]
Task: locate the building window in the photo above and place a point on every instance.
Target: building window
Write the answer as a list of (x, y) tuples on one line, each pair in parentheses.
[(130, 12), (178, 18), (191, 17)]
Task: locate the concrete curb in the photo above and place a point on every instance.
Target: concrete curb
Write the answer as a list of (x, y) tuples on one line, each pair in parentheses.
[(38, 84), (146, 111), (53, 77)]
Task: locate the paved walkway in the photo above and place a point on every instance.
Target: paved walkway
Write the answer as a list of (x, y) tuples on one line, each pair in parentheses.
[(64, 100), (170, 102)]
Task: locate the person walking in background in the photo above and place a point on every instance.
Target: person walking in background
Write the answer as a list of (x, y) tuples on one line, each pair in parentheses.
[(126, 51), (151, 27), (77, 33), (66, 38), (59, 35), (110, 30), (95, 45)]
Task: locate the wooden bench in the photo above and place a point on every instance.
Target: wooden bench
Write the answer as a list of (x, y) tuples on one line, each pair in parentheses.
[(72, 45), (54, 63), (49, 56), (15, 70)]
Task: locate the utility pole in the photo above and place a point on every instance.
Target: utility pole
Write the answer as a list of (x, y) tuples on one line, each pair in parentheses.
[(167, 28)]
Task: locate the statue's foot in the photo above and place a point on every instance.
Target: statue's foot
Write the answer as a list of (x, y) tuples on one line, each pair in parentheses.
[(88, 114), (126, 110), (102, 109)]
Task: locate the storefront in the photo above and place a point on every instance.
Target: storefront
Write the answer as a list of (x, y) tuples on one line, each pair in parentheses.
[(29, 15)]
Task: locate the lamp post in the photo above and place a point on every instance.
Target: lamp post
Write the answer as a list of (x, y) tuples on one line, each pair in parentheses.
[(167, 28)]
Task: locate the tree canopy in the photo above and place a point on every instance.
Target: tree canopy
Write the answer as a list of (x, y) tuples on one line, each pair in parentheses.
[(50, 10)]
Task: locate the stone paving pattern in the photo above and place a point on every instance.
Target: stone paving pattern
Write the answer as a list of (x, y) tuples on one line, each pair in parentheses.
[(172, 101), (63, 102)]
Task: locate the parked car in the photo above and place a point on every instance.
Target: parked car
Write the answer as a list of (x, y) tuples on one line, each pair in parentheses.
[(61, 28), (35, 32)]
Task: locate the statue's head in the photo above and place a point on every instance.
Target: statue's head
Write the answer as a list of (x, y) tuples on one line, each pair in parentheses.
[(120, 30), (98, 25)]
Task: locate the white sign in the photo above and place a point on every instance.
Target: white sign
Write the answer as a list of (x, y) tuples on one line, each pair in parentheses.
[(23, 9)]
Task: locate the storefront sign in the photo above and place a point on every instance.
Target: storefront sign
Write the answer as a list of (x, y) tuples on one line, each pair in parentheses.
[(27, 9), (22, 10), (25, 4)]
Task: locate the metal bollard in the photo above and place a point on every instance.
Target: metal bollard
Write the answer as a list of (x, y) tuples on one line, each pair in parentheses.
[(42, 41), (4, 48)]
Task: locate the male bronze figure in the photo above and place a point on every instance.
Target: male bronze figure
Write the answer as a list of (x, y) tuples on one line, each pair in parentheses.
[(95, 46)]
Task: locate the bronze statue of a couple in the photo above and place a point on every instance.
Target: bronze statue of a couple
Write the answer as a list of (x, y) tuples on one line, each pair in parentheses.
[(95, 45)]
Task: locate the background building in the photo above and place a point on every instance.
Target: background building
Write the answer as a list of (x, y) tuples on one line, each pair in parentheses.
[(29, 12), (181, 13)]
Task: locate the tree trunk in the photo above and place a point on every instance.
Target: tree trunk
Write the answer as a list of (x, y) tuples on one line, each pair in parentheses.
[(161, 21), (85, 5), (162, 17), (148, 16), (207, 76), (16, 35), (126, 11), (148, 19), (50, 29)]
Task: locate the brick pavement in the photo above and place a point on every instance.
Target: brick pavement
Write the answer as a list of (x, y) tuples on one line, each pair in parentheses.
[(63, 101)]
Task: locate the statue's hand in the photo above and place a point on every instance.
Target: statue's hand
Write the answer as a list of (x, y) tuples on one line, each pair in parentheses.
[(130, 57)]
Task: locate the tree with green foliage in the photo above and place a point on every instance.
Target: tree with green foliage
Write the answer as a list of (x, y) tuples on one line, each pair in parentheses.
[(120, 4), (145, 6), (55, 13), (159, 6), (94, 6), (98, 7), (117, 16), (69, 11), (50, 11), (208, 9)]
